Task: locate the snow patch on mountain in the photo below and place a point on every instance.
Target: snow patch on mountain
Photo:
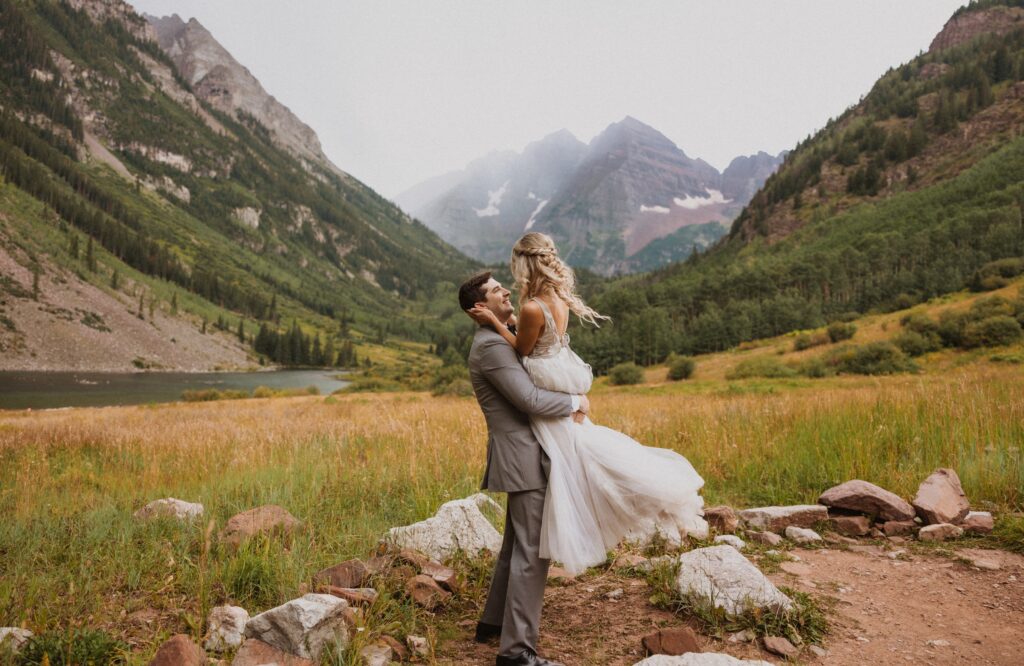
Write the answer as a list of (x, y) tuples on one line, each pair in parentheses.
[(494, 198), (693, 203), (534, 214), (655, 209)]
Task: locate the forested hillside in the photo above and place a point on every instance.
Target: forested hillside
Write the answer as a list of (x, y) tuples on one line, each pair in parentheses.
[(907, 195), (153, 195)]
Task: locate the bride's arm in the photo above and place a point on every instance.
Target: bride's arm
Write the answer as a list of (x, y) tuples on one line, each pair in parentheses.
[(531, 320)]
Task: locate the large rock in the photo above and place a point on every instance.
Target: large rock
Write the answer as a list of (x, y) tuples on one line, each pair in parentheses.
[(224, 628), (171, 508), (720, 575), (722, 518), (14, 638), (778, 518), (978, 522), (867, 498), (940, 532), (179, 650), (302, 626), (257, 653), (457, 525), (700, 659), (269, 519), (941, 499)]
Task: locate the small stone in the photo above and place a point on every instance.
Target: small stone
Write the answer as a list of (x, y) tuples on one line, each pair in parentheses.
[(269, 519), (796, 569), (425, 592), (303, 626), (170, 508), (731, 540), (778, 518), (744, 636), (442, 575), (722, 518), (857, 495), (851, 525), (940, 498), (896, 554), (350, 573), (938, 642), (255, 652), (615, 594), (417, 645), (399, 651), (985, 560), (179, 650), (899, 528), (225, 627), (978, 522), (780, 646), (766, 538), (939, 532), (672, 641), (801, 535), (14, 638), (376, 655), (817, 651)]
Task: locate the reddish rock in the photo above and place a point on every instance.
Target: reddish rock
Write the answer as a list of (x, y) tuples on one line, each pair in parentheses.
[(899, 527), (425, 592), (401, 652), (269, 519), (766, 538), (353, 595), (851, 525), (412, 558), (780, 646), (257, 653), (350, 573), (722, 519), (674, 641), (978, 522), (378, 564), (867, 498), (442, 575), (941, 499), (940, 532), (179, 650)]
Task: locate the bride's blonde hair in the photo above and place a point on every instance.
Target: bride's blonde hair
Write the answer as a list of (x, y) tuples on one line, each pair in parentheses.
[(537, 269)]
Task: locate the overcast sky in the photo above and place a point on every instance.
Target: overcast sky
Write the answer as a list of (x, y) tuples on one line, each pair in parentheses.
[(400, 91)]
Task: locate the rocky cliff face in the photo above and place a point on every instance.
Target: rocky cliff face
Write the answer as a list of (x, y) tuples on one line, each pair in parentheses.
[(966, 25), (603, 203), (219, 79)]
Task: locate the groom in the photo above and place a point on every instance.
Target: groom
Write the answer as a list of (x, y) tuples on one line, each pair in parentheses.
[(515, 465)]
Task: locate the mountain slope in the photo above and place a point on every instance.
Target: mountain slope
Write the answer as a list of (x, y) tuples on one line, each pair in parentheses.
[(99, 126), (915, 192), (622, 204)]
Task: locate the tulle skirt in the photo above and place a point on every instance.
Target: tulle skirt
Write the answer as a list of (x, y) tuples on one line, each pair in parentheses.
[(604, 486)]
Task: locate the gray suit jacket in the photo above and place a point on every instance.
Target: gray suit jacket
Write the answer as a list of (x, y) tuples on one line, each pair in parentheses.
[(508, 398)]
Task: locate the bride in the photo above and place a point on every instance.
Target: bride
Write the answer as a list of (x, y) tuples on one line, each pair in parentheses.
[(603, 486)]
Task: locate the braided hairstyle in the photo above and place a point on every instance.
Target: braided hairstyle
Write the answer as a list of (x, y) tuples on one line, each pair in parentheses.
[(537, 269)]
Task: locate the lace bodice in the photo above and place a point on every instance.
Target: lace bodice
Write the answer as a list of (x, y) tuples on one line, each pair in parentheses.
[(549, 342)]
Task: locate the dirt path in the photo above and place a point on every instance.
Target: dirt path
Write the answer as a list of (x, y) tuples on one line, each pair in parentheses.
[(885, 611)]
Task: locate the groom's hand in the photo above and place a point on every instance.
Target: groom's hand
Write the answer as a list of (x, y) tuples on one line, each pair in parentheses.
[(578, 417)]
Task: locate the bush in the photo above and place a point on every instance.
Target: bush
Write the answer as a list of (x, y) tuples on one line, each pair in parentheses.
[(76, 646), (839, 331), (814, 368), (680, 367), (806, 341), (874, 358), (996, 274), (760, 366), (919, 323), (951, 327), (913, 343), (992, 332), (992, 306), (626, 373)]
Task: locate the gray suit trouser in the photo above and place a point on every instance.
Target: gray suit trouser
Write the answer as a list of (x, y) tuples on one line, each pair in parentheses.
[(517, 588)]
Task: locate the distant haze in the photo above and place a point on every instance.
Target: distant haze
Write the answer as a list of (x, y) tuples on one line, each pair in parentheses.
[(402, 91)]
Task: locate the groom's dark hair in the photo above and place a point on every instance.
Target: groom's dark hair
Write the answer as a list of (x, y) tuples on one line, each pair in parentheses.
[(472, 290)]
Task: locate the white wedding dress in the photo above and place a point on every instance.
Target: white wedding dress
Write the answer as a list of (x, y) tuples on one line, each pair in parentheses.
[(603, 486)]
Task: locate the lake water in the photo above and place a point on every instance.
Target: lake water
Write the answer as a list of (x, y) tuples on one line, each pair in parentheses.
[(41, 390)]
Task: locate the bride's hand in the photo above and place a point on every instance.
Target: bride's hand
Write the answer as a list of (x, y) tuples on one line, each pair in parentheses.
[(482, 315)]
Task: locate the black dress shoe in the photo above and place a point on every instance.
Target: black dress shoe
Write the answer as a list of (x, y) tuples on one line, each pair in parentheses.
[(525, 658), (487, 632)]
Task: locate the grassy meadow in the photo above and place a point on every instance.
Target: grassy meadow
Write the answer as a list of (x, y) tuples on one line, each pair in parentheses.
[(351, 465)]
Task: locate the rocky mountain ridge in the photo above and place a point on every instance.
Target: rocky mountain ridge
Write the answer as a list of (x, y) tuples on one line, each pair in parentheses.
[(604, 203)]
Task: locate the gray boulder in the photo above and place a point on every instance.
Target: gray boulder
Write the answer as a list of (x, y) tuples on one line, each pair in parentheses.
[(778, 518), (940, 532), (171, 508), (720, 575), (457, 525), (302, 626), (731, 540), (224, 628), (801, 535)]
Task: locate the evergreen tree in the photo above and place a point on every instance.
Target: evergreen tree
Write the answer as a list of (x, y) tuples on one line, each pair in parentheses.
[(115, 279), (174, 303), (241, 330), (90, 257), (139, 314), (35, 281)]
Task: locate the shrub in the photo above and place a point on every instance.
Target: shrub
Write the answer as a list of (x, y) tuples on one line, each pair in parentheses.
[(996, 274), (913, 343), (839, 331), (76, 646), (806, 341), (874, 358), (983, 308), (919, 323), (814, 368), (951, 327), (626, 373), (760, 366), (680, 367), (992, 332)]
